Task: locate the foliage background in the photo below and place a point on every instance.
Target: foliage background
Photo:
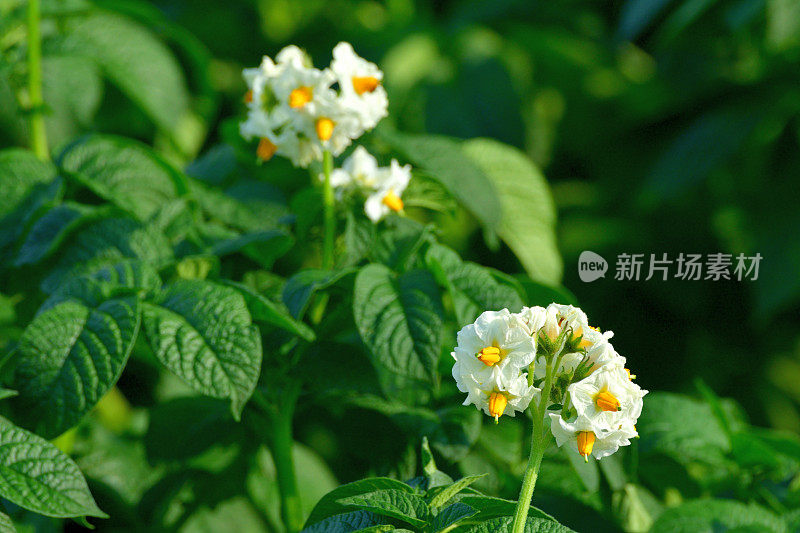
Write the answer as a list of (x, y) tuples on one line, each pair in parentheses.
[(661, 126)]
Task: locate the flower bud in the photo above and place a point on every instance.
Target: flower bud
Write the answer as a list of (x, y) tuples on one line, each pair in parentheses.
[(266, 149)]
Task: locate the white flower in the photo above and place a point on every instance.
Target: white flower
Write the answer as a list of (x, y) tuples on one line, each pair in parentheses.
[(581, 436), (360, 83), (533, 318), (554, 321), (496, 343), (390, 183), (607, 398), (359, 170), (499, 396), (295, 112)]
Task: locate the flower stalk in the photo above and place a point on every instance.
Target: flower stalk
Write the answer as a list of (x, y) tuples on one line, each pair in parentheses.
[(38, 134), (329, 211)]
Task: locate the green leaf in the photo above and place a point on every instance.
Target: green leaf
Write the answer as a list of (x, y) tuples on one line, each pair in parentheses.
[(489, 507), (140, 65), (394, 503), (123, 171), (528, 211), (444, 494), (73, 89), (265, 310), (452, 514), (6, 524), (51, 229), (710, 516), (532, 525), (361, 521), (436, 478), (105, 243), (329, 506), (36, 475), (301, 287), (399, 320), (683, 428), (397, 246), (68, 358), (443, 159), (202, 332), (471, 286), (20, 172)]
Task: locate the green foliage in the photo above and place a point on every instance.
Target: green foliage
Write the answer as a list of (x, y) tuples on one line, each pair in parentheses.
[(202, 332), (38, 476), (399, 319)]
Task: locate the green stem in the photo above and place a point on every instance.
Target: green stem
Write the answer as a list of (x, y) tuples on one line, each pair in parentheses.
[(38, 134), (330, 213), (539, 442), (282, 444)]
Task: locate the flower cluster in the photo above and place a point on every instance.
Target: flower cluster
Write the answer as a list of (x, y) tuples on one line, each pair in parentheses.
[(298, 111), (504, 359), (383, 186)]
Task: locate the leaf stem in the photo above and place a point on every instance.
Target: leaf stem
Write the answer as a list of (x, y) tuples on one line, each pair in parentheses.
[(38, 133), (330, 213), (539, 442), (282, 444)]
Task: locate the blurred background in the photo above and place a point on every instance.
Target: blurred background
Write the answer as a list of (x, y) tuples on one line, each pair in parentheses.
[(662, 126)]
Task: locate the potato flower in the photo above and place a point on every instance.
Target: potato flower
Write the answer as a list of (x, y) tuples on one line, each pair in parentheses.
[(295, 111)]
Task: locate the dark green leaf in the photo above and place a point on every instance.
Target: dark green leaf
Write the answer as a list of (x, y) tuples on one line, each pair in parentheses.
[(452, 514), (394, 503), (124, 172), (329, 506), (36, 475), (471, 286), (265, 310), (301, 287), (69, 356), (50, 230), (203, 333), (399, 319)]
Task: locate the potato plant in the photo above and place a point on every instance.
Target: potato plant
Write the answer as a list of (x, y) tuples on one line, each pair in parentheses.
[(174, 306)]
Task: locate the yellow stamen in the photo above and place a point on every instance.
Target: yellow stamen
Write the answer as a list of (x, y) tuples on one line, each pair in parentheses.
[(324, 128), (300, 97), (248, 97), (489, 355), (266, 149), (630, 376), (367, 84), (497, 405), (585, 444), (393, 202), (606, 401)]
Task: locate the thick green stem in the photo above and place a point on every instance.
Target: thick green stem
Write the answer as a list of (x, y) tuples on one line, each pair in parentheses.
[(38, 134), (282, 445), (539, 442), (330, 212)]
